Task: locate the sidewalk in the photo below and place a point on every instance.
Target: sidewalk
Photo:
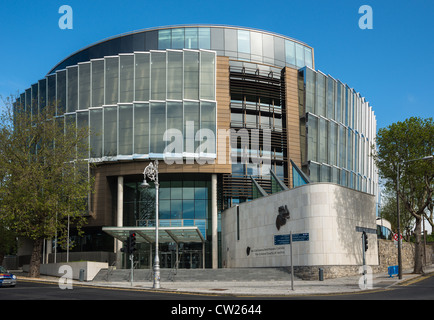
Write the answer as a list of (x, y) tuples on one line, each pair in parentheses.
[(256, 288)]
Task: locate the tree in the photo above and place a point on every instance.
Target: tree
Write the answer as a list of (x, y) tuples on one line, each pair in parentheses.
[(388, 212), (404, 143), (43, 181)]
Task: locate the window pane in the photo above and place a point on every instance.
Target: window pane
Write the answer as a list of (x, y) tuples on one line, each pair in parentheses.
[(188, 190), (96, 130), (164, 39), (72, 89), (290, 52), (111, 80), (320, 95), (174, 75), (244, 41), (330, 107), (176, 209), (164, 190), (126, 78), (141, 128), (191, 38), (279, 51), (61, 92), (158, 120), (51, 93), (310, 90), (188, 209), (191, 75), (323, 138), (42, 93), (164, 209), (177, 38), (204, 38), (125, 130), (83, 122), (191, 123), (200, 190), (312, 138), (142, 85), (299, 54), (208, 115), (110, 131), (256, 46), (217, 40), (84, 86), (200, 209), (176, 190), (97, 83), (231, 41), (268, 48), (207, 75), (308, 57), (174, 116), (158, 75)]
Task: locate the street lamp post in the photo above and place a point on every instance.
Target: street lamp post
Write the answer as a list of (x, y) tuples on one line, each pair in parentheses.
[(151, 171), (397, 209)]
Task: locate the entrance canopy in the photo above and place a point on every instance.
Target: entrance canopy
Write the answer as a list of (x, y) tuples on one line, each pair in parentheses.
[(183, 234)]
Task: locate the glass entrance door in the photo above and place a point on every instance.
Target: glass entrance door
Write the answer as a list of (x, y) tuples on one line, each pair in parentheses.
[(191, 259)]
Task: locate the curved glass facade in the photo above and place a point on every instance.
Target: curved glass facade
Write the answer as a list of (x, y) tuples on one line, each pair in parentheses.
[(341, 128), (118, 97), (234, 42)]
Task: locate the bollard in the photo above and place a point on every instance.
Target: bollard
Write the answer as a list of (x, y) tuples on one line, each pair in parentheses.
[(81, 276), (321, 274)]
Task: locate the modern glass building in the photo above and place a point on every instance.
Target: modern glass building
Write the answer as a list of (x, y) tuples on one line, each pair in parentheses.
[(231, 114)]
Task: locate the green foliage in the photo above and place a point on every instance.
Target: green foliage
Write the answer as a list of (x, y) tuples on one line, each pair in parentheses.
[(403, 142), (42, 180), (401, 158)]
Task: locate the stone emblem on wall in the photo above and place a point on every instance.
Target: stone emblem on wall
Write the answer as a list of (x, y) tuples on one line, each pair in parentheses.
[(282, 216)]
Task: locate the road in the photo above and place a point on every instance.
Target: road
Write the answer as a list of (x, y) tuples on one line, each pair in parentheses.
[(421, 289)]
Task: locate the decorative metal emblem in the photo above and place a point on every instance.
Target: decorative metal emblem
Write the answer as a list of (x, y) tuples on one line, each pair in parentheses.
[(282, 216)]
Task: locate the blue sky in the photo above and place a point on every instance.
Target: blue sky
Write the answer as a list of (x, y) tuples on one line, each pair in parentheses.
[(391, 65)]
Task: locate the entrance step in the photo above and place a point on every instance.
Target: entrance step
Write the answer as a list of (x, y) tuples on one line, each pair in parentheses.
[(225, 274)]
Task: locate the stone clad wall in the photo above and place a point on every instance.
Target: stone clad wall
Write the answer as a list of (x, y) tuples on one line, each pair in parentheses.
[(388, 254)]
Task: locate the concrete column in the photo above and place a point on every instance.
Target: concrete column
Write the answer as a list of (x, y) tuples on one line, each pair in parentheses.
[(119, 218), (214, 221)]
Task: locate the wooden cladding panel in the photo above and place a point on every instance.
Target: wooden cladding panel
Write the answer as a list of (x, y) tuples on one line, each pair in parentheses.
[(292, 119)]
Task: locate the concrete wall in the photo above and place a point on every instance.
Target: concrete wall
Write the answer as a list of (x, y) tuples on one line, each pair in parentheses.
[(90, 269), (329, 213)]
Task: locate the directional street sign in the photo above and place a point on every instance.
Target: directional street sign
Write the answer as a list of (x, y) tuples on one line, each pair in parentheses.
[(283, 239)]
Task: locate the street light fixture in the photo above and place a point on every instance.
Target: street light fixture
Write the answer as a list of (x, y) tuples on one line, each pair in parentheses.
[(151, 171), (397, 209)]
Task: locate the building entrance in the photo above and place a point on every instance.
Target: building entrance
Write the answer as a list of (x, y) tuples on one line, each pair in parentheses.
[(188, 257)]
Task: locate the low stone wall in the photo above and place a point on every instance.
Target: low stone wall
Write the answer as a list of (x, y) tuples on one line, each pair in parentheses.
[(388, 254), (329, 272)]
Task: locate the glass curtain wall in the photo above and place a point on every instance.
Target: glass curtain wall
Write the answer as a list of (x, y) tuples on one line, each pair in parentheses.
[(118, 97), (340, 132)]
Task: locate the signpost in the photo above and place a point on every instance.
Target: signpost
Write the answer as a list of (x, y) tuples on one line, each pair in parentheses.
[(283, 239)]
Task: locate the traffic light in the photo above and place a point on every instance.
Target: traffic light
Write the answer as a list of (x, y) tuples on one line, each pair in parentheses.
[(132, 239), (126, 247), (365, 240)]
